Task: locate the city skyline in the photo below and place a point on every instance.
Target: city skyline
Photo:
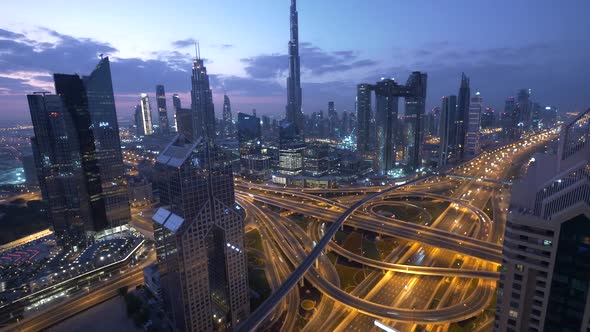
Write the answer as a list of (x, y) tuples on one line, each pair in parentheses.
[(254, 73), (314, 199)]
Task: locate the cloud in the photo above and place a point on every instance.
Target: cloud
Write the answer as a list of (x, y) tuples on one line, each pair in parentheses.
[(314, 61), (557, 72), (182, 43), (223, 46)]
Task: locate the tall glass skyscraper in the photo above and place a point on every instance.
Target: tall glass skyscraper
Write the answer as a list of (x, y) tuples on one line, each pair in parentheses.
[(447, 130), (387, 103), (56, 150), (227, 117), (163, 125), (143, 118), (200, 241), (105, 129), (294, 113), (77, 152), (203, 112), (472, 146), (385, 140), (414, 119), (363, 114), (462, 117)]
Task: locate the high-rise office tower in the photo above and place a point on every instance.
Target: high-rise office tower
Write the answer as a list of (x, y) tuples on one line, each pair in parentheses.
[(472, 146), (549, 116), (77, 152), (523, 110), (488, 118), (462, 117), (291, 148), (386, 125), (344, 124), (138, 121), (536, 113), (56, 150), (545, 283), (177, 104), (415, 104), (386, 133), (164, 125), (363, 115), (145, 116), (105, 130), (447, 124), (203, 112), (253, 164), (510, 120), (227, 117), (249, 134), (199, 235), (334, 128), (294, 112)]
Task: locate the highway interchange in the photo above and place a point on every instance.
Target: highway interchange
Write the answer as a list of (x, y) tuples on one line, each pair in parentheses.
[(443, 269), (453, 257)]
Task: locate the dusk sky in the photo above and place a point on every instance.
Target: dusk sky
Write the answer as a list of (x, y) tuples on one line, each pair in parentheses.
[(502, 45)]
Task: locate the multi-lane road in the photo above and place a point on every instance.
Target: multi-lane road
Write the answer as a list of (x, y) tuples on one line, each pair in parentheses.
[(463, 232)]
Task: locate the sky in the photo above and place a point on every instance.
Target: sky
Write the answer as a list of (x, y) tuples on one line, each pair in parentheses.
[(501, 45)]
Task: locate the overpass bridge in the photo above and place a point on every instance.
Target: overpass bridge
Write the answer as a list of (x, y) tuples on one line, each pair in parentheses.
[(467, 177)]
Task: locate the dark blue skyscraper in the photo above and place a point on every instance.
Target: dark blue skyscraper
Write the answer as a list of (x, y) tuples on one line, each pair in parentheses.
[(78, 156), (56, 151), (386, 124), (363, 113), (105, 130), (447, 129), (164, 126), (414, 119), (227, 117), (387, 93), (249, 134), (462, 116), (294, 113), (203, 113)]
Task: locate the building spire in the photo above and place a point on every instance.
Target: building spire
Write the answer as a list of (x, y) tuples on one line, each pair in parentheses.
[(197, 50)]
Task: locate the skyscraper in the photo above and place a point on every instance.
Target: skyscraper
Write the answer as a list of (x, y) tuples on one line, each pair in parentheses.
[(249, 134), (462, 117), (164, 126), (78, 155), (227, 117), (253, 163), (333, 120), (363, 114), (386, 112), (291, 148), (294, 112), (447, 124), (203, 113), (177, 104), (105, 130), (414, 119), (523, 110), (199, 235), (387, 134), (472, 146), (510, 120), (545, 283), (56, 149), (145, 116)]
